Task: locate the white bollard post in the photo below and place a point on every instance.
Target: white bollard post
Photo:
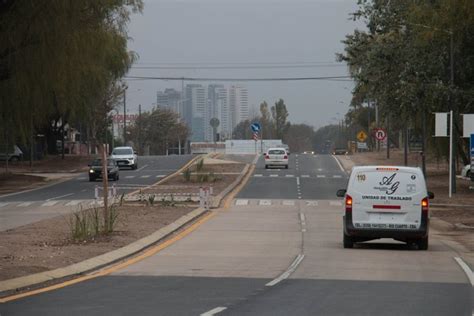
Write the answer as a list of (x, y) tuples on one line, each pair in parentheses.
[(96, 192), (201, 197)]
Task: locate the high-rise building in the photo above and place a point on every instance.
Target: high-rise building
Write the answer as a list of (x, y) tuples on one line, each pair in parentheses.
[(238, 104), (218, 108), (196, 111), (171, 99)]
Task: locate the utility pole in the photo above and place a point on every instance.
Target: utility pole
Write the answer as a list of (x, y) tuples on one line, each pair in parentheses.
[(125, 116), (423, 142), (140, 129), (388, 136), (453, 152), (377, 123)]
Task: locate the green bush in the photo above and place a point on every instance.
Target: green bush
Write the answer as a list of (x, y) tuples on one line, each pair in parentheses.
[(187, 175), (200, 165)]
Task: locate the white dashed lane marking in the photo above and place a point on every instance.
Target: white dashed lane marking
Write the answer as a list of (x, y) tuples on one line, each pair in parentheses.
[(273, 175), (242, 202), (337, 176), (160, 176), (305, 176), (320, 176), (144, 177), (50, 203), (289, 175), (258, 175)]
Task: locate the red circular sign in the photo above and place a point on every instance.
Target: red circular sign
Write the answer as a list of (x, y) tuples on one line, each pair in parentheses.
[(380, 134)]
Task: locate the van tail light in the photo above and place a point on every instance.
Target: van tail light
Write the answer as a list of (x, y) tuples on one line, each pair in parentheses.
[(286, 157), (348, 203), (425, 206)]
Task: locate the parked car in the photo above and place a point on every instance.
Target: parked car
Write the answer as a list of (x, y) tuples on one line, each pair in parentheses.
[(466, 171), (95, 170), (339, 151), (125, 157), (276, 157), (12, 153), (386, 202)]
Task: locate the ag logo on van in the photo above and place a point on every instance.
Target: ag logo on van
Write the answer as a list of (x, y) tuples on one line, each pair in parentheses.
[(388, 185)]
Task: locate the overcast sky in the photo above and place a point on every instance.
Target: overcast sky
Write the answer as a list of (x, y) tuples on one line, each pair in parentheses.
[(254, 32)]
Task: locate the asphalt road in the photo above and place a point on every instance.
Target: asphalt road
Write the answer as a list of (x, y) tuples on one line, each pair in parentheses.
[(60, 198), (273, 254)]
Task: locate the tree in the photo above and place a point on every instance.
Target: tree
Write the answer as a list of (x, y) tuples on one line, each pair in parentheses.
[(159, 130), (59, 58), (280, 115), (266, 121), (300, 137)]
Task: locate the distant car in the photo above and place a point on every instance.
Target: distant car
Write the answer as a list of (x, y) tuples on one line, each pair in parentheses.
[(466, 171), (95, 170), (276, 157), (339, 151), (286, 147), (125, 157), (386, 202), (13, 153), (308, 152)]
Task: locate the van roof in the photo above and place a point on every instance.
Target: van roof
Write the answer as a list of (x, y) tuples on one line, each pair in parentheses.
[(387, 168)]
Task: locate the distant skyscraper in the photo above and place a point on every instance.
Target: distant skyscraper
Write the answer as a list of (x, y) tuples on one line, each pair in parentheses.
[(218, 108), (239, 104), (196, 111), (171, 99)]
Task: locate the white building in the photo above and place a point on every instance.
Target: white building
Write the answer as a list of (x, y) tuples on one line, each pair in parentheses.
[(238, 104), (171, 99)]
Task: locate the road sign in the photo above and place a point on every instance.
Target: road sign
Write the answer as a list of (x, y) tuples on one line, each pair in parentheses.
[(472, 155), (255, 127), (380, 134), (362, 145), (255, 136), (361, 136)]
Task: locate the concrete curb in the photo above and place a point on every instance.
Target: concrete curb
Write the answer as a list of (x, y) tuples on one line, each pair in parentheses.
[(12, 286), (33, 281)]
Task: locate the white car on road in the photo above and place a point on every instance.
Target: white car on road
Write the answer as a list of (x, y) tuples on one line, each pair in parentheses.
[(386, 202), (125, 157), (466, 171), (276, 157)]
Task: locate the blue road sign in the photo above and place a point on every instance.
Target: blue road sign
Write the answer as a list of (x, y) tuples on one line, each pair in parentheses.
[(255, 127), (472, 156)]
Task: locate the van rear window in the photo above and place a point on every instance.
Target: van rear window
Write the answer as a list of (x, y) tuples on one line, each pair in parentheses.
[(386, 182)]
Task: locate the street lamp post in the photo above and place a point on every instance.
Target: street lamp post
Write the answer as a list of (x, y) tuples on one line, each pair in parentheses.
[(125, 116)]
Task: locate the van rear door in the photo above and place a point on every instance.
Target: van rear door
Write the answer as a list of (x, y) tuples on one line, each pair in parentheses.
[(387, 197)]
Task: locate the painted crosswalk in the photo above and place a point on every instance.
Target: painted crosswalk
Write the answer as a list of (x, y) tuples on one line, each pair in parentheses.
[(286, 203), (306, 176)]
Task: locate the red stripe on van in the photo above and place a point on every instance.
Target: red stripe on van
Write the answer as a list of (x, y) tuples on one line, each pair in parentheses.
[(386, 207)]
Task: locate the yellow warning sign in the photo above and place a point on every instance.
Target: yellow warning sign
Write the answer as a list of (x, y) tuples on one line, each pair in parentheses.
[(361, 136)]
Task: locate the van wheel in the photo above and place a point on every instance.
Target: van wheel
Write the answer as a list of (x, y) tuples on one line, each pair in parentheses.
[(348, 242), (422, 243)]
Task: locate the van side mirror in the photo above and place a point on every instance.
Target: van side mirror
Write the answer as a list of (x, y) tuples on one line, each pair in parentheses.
[(430, 195), (341, 193)]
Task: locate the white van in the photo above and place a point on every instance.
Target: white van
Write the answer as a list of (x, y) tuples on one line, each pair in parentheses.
[(386, 202)]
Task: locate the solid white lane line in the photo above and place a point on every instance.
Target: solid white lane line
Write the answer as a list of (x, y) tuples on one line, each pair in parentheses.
[(305, 176), (297, 181), (466, 269), (140, 169), (144, 177), (214, 311), (242, 202), (339, 163), (288, 272), (58, 197), (129, 177)]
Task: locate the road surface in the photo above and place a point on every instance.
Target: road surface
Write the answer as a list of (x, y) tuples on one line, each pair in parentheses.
[(276, 251)]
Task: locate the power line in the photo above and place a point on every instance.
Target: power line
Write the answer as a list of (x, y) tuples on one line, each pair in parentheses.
[(328, 78), (239, 63), (240, 67)]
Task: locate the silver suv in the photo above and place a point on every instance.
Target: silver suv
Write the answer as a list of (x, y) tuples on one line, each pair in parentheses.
[(125, 157)]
